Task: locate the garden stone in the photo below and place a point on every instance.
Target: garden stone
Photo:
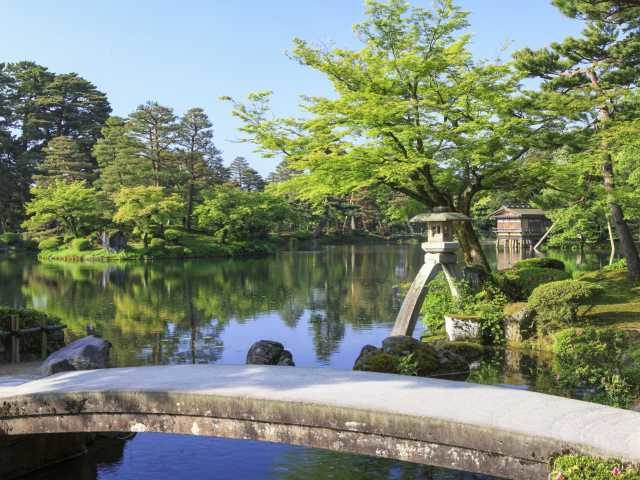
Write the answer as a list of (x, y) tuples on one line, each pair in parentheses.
[(113, 241), (400, 345), (269, 352), (86, 353), (518, 322), (462, 328)]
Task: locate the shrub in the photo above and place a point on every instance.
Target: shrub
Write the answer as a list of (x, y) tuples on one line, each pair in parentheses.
[(578, 467), (556, 303), (172, 235), (541, 263), (175, 250), (518, 282), (437, 303), (49, 243), (80, 244), (157, 244), (10, 238), (619, 265), (595, 363)]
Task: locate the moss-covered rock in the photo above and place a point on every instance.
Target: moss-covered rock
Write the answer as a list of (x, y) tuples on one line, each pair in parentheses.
[(377, 361)]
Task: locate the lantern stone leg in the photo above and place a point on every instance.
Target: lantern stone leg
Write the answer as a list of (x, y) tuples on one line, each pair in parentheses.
[(409, 312)]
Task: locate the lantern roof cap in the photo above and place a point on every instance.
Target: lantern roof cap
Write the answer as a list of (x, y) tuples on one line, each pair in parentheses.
[(440, 214)]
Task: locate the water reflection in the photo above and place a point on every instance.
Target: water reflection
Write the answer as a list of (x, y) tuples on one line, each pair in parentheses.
[(176, 312)]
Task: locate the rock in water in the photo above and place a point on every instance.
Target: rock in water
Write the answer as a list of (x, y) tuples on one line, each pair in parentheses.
[(87, 353), (268, 352)]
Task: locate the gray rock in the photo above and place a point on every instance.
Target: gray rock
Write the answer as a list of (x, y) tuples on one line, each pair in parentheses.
[(86, 353), (269, 352), (113, 241), (519, 323), (400, 345)]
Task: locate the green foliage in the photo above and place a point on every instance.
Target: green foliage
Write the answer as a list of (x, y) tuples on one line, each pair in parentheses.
[(10, 238), (172, 235), (556, 303), (234, 215), (579, 467), (619, 265), (596, 362), (70, 207), (64, 160), (487, 304), (80, 244), (541, 263), (157, 244), (408, 365), (518, 282), (50, 243), (437, 303), (147, 209)]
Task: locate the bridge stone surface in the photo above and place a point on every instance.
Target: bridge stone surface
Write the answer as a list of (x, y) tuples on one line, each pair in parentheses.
[(499, 431)]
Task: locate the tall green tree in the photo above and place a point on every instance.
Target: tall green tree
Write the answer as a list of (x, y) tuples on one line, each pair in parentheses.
[(154, 127), (200, 160), (119, 158), (147, 209), (412, 111), (244, 176), (64, 160), (73, 208), (587, 82)]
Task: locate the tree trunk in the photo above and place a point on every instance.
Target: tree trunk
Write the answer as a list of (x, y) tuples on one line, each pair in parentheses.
[(628, 248), (470, 244), (187, 223)]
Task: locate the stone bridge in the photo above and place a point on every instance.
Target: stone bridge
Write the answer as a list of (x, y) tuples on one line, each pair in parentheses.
[(494, 430)]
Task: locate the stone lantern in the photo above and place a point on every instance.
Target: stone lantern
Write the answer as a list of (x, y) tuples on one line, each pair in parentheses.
[(440, 255)]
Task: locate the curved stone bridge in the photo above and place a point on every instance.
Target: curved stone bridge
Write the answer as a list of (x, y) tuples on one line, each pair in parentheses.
[(499, 431)]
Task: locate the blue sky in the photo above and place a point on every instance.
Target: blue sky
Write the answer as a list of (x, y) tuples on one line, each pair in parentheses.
[(190, 52)]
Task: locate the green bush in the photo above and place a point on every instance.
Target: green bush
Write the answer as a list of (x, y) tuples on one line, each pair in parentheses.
[(175, 250), (578, 467), (556, 303), (49, 244), (172, 235), (619, 265), (596, 363), (80, 244), (518, 282), (157, 244), (437, 303), (10, 238), (541, 263)]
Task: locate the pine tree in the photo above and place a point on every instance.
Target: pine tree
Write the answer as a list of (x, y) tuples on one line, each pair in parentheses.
[(244, 176), (200, 160), (587, 83), (64, 160)]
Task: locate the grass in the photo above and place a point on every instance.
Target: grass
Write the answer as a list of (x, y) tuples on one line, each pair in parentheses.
[(618, 304)]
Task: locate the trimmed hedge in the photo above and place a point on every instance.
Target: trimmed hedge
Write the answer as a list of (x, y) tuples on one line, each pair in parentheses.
[(579, 467), (172, 235), (80, 244), (556, 303), (519, 282), (49, 244), (541, 263), (157, 244)]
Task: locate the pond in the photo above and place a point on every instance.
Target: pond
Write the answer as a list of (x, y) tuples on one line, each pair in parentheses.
[(323, 305)]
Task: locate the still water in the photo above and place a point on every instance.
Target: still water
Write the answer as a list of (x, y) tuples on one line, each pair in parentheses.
[(323, 305)]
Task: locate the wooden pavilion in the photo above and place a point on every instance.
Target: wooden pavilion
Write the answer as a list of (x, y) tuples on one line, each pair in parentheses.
[(519, 227)]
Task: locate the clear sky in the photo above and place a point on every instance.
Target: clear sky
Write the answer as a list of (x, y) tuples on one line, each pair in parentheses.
[(185, 53)]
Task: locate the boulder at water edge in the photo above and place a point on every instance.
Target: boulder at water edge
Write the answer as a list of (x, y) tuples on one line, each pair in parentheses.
[(269, 352), (87, 353)]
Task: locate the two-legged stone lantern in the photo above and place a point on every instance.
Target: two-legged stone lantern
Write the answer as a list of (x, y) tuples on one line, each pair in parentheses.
[(440, 254)]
